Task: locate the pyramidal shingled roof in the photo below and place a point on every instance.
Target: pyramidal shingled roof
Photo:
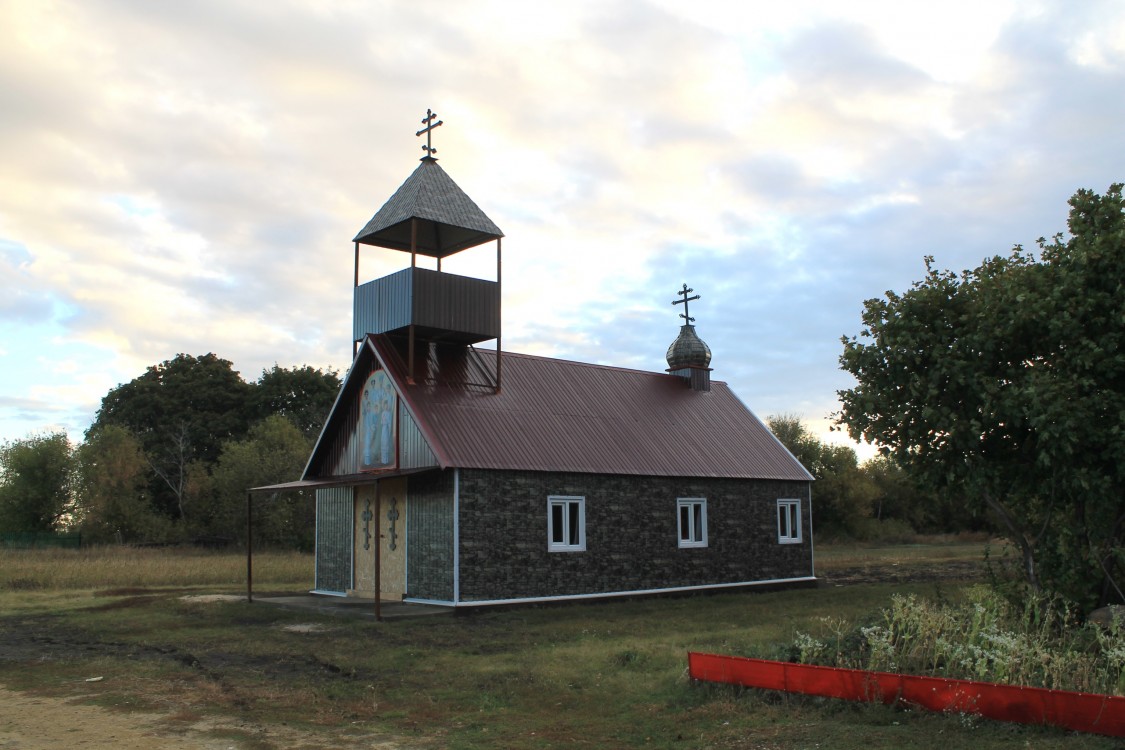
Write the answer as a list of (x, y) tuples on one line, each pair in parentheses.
[(449, 220)]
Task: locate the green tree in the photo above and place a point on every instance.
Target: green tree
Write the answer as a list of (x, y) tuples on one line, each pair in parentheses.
[(1006, 383), (898, 497), (182, 411), (113, 476), (37, 483), (303, 395), (275, 451), (842, 495)]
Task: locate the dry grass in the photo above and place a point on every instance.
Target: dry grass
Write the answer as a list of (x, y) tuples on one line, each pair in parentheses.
[(126, 567), (935, 549)]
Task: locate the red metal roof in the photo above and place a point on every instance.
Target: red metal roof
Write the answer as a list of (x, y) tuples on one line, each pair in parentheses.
[(558, 415)]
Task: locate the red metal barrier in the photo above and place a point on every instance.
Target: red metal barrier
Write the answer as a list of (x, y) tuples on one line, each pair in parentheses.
[(1084, 712)]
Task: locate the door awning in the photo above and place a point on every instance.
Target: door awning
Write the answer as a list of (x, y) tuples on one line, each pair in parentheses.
[(346, 480)]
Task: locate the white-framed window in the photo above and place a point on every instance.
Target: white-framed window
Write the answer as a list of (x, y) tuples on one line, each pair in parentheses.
[(566, 524), (788, 521), (691, 517)]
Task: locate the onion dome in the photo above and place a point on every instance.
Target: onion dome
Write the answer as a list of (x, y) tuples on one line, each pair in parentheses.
[(688, 350)]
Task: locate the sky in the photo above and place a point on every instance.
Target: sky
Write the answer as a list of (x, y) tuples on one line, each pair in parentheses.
[(187, 177)]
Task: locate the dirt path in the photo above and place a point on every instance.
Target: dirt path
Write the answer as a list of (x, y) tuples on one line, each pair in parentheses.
[(29, 722)]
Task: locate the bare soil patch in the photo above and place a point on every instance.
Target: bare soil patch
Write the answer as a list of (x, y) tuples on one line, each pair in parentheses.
[(34, 722)]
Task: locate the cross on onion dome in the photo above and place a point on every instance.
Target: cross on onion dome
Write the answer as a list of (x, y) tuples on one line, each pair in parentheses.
[(686, 299)]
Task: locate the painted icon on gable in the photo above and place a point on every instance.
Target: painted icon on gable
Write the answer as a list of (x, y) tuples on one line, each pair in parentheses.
[(377, 410)]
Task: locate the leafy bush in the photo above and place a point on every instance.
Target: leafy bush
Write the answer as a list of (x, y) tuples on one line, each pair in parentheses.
[(1040, 644)]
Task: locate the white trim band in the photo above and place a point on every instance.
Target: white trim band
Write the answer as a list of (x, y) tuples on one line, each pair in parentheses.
[(610, 594)]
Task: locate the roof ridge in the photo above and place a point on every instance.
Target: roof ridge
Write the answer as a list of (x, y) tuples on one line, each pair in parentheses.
[(591, 364)]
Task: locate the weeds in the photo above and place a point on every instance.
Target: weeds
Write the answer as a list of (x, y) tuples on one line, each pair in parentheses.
[(1039, 644)]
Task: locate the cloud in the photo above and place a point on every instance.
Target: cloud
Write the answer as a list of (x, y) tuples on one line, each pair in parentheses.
[(24, 298), (187, 177)]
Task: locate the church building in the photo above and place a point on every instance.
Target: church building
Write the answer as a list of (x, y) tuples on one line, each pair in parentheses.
[(462, 476)]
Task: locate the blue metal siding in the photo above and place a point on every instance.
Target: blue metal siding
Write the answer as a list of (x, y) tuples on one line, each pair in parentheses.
[(449, 302), (440, 303), (383, 304), (414, 451), (343, 452)]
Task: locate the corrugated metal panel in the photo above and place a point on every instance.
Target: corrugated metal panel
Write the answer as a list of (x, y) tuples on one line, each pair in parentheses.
[(442, 305), (448, 302), (555, 415), (342, 456), (382, 305), (334, 509), (414, 451)]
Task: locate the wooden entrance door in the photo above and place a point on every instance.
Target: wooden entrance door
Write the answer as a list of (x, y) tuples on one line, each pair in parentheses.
[(366, 535), (392, 542), (380, 519)]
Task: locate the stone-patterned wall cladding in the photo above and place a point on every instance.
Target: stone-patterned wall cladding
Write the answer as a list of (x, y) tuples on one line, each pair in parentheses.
[(429, 529), (631, 534), (334, 507)]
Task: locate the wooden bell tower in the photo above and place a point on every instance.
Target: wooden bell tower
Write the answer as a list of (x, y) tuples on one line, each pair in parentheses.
[(428, 215)]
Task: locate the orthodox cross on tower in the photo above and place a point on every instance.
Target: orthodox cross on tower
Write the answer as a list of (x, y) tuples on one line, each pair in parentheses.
[(686, 299), (429, 118)]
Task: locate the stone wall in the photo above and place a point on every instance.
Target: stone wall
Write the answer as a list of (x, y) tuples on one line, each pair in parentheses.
[(631, 534), (429, 529), (333, 539)]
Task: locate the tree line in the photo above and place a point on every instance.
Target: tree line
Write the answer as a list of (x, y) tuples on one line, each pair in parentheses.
[(170, 455), (996, 397), (873, 501)]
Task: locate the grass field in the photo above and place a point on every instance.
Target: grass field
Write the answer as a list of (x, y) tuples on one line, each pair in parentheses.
[(127, 567), (607, 674), (935, 549)]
